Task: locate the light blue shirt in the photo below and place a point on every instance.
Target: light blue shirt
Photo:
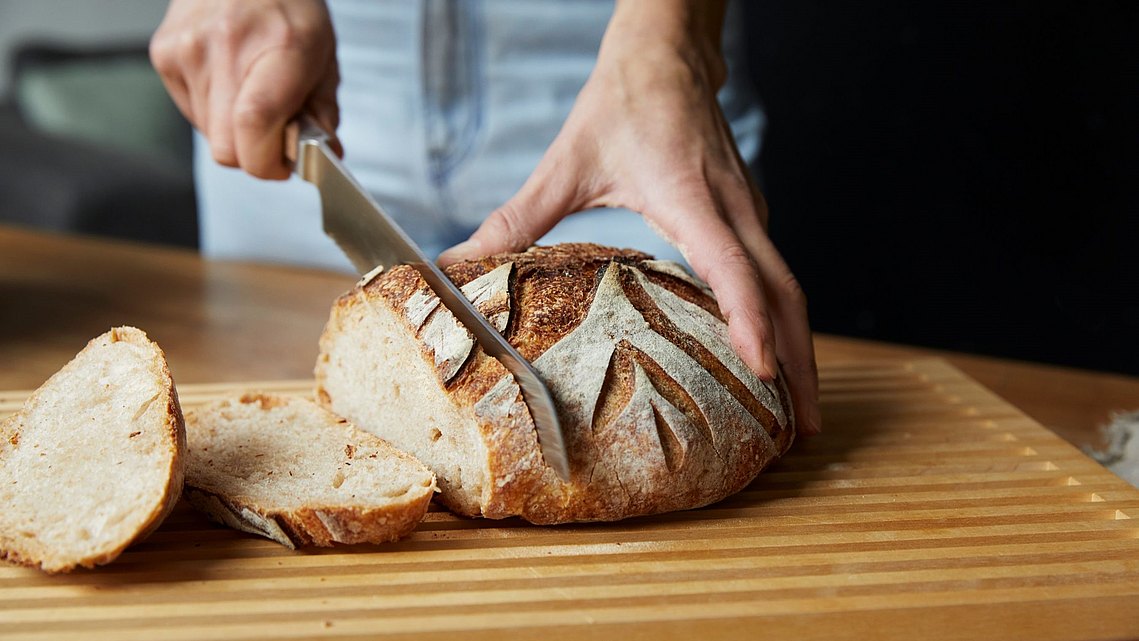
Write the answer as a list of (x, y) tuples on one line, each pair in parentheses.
[(446, 108)]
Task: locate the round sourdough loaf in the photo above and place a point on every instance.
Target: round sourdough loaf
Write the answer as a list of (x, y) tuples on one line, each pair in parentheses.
[(659, 413)]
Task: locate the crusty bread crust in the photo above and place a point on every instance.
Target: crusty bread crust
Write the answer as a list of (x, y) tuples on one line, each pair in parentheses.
[(658, 412), (305, 519), (320, 526), (171, 435)]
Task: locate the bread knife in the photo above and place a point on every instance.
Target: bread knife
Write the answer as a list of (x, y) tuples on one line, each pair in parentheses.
[(370, 239)]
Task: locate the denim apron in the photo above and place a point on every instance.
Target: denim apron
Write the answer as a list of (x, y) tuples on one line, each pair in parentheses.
[(446, 108)]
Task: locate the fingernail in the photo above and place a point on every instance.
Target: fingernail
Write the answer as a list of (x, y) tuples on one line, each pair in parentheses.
[(770, 363), (813, 421), (756, 362), (813, 427)]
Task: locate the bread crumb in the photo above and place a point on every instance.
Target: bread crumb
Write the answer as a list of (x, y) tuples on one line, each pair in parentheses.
[(370, 276)]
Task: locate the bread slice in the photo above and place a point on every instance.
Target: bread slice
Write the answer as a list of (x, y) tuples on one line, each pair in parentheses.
[(93, 461), (289, 470), (658, 411)]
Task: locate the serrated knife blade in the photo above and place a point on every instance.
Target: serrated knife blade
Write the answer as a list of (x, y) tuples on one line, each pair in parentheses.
[(370, 238)]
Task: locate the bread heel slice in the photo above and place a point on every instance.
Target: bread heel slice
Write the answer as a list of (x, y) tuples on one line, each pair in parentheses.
[(94, 459), (287, 469)]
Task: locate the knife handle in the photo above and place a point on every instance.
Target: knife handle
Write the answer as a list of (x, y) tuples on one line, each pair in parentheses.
[(302, 130)]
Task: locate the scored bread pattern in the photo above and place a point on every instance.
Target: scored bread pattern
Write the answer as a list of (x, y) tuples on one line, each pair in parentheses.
[(712, 334), (672, 268), (443, 334), (657, 412), (670, 412)]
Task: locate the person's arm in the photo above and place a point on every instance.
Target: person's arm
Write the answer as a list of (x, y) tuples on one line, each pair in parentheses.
[(239, 70), (647, 134)]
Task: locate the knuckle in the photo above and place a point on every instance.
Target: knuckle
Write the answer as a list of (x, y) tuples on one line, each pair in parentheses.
[(231, 28), (254, 115), (733, 256), (735, 179), (191, 47), (723, 266), (160, 52), (505, 224), (307, 32), (296, 34), (223, 154), (793, 291), (734, 253)]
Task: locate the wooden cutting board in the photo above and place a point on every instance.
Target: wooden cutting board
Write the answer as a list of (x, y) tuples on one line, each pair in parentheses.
[(929, 509)]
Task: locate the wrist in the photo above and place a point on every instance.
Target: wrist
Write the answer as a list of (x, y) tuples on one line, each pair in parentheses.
[(660, 33)]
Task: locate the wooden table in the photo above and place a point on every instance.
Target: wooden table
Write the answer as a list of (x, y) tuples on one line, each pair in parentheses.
[(227, 321), (930, 509)]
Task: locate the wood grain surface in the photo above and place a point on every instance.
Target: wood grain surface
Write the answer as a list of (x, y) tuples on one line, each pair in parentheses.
[(929, 509), (222, 321)]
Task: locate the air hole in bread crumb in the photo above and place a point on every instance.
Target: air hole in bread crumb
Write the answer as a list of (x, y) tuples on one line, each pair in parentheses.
[(338, 479), (396, 391), (144, 407), (435, 434), (399, 491)]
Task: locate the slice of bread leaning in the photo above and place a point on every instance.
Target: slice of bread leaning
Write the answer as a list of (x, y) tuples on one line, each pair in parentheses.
[(287, 469), (93, 460)]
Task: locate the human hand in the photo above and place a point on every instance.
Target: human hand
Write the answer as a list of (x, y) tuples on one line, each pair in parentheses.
[(647, 134), (239, 70)]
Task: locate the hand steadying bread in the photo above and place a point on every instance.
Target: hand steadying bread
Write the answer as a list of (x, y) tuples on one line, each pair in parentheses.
[(645, 133), (659, 412)]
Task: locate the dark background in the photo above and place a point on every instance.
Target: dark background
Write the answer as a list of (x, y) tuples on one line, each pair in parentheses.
[(947, 174), (958, 175)]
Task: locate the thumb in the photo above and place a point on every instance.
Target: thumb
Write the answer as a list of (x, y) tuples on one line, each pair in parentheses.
[(544, 200), (272, 92)]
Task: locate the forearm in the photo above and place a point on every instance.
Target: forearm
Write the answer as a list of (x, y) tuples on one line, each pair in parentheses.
[(658, 31)]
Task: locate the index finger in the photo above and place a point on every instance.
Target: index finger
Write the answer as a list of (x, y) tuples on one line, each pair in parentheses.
[(272, 93), (717, 256), (787, 306)]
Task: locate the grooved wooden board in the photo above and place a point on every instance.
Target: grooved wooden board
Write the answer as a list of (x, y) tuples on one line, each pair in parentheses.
[(929, 509)]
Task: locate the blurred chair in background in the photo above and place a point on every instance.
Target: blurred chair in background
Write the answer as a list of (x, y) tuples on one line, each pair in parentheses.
[(91, 143)]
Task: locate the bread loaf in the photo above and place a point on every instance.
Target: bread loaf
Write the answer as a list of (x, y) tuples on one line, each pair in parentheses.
[(289, 470), (658, 412), (93, 461)]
